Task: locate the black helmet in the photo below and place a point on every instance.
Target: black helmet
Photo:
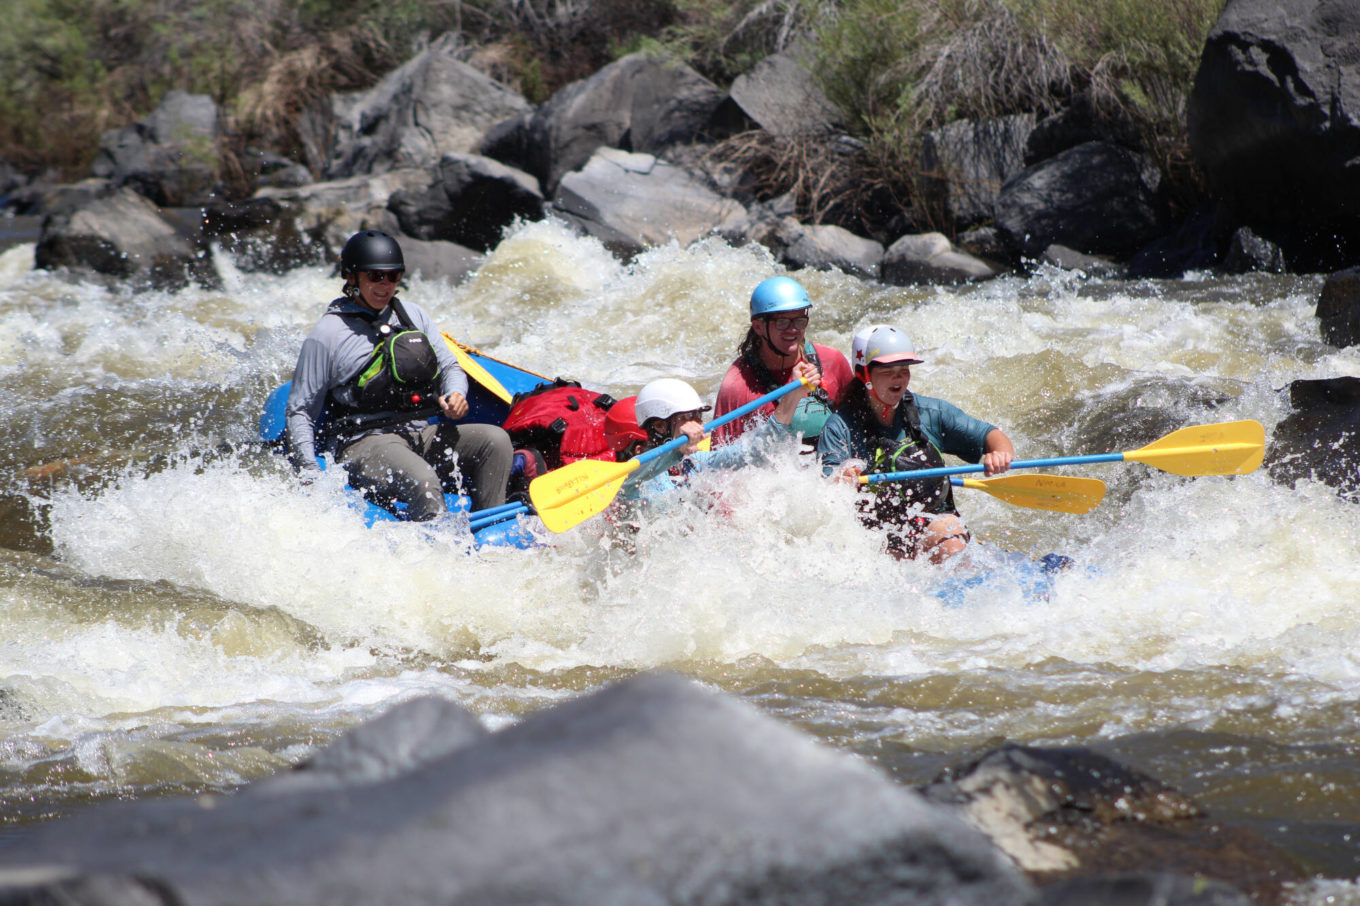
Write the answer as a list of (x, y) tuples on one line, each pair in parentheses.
[(371, 250)]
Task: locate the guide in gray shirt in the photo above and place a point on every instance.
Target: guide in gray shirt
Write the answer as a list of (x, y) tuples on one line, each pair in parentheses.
[(411, 462)]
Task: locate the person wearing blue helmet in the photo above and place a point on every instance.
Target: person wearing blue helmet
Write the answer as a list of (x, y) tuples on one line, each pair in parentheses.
[(883, 427), (775, 343)]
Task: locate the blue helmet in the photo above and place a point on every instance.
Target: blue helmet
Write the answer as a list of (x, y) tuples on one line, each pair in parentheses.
[(778, 294)]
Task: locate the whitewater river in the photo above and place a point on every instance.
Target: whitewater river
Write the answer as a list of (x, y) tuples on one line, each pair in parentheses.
[(178, 615)]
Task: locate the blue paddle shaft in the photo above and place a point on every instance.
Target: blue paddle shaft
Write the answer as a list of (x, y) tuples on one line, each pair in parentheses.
[(1016, 464), (493, 515), (718, 422), (493, 510)]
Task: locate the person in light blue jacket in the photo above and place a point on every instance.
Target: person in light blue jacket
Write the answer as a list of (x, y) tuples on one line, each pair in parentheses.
[(669, 408)]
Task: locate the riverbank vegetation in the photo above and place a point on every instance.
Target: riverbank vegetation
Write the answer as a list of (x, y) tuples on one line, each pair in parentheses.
[(70, 69)]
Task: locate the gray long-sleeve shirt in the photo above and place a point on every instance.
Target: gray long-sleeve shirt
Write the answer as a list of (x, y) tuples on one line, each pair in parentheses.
[(335, 351)]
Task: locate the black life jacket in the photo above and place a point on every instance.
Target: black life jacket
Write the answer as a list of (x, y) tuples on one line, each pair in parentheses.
[(402, 375), (562, 421), (898, 502), (813, 409)]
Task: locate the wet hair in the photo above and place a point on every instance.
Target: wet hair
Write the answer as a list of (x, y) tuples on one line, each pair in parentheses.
[(750, 344)]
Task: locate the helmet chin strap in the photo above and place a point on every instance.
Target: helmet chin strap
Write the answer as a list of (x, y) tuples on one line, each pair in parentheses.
[(882, 407), (796, 355)]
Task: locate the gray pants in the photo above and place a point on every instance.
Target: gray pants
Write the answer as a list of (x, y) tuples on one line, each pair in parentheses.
[(414, 465)]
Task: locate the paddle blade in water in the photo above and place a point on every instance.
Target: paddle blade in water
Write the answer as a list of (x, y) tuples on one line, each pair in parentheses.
[(1228, 448), (1056, 493)]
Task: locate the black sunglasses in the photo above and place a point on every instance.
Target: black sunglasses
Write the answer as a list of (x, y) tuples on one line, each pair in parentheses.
[(383, 276), (781, 323)]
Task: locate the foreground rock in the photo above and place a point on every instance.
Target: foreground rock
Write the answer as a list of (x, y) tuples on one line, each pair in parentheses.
[(1338, 308), (1069, 814), (652, 791)]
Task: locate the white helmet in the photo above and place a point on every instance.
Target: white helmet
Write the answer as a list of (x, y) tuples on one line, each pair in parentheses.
[(881, 344), (664, 397)]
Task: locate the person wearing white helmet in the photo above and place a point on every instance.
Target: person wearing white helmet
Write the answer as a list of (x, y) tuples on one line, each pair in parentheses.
[(669, 408), (884, 427), (776, 342)]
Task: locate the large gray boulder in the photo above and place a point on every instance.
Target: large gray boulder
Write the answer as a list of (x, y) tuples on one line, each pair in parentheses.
[(827, 247), (964, 165), (640, 103), (634, 201), (780, 95), (170, 157), (1274, 122), (931, 258), (469, 200), (652, 791), (120, 234), (434, 104), (1098, 198)]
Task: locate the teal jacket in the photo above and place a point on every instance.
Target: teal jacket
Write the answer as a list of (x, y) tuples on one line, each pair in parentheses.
[(652, 480), (945, 425)]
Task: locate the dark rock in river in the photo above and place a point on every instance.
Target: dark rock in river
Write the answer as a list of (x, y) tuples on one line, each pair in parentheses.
[(1274, 123), (1064, 814), (1248, 252), (470, 200), (651, 791), (1338, 308), (1097, 198), (1155, 888), (121, 234), (1321, 438)]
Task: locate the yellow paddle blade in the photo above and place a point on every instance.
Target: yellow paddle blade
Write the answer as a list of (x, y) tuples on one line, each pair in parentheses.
[(568, 496), (1228, 448), (1058, 493), (473, 369)]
